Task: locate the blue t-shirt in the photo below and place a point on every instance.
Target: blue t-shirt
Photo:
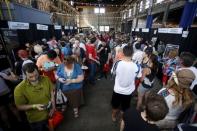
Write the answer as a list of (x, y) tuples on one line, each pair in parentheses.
[(66, 51), (76, 72)]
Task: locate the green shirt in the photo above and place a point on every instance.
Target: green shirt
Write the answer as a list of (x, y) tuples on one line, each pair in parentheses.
[(28, 94)]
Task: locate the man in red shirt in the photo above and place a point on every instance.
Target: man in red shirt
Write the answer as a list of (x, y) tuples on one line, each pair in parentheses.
[(92, 59)]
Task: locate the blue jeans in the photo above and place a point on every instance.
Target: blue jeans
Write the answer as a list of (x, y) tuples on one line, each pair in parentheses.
[(92, 73)]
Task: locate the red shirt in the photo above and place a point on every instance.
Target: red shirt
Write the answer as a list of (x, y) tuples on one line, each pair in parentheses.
[(91, 50)]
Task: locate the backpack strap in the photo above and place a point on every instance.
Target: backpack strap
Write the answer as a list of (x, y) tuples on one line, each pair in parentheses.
[(139, 67), (113, 71)]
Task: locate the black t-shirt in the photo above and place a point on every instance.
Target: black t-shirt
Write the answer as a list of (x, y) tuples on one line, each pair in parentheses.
[(103, 55), (134, 122)]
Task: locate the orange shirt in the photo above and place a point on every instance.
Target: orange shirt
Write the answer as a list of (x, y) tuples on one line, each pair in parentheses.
[(44, 58)]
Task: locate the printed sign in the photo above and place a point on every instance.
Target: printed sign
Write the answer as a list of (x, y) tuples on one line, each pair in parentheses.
[(169, 48), (137, 29), (175, 30), (163, 30), (66, 27), (57, 27), (185, 34), (145, 30), (71, 27), (18, 25), (41, 27)]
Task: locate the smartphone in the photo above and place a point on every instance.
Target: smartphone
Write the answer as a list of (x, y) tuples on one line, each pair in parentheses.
[(47, 106), (44, 106)]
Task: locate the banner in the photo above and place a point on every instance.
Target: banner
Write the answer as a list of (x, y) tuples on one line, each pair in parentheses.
[(163, 30), (66, 27), (41, 27), (170, 30), (175, 30), (71, 27), (57, 27), (137, 29), (145, 30), (18, 25)]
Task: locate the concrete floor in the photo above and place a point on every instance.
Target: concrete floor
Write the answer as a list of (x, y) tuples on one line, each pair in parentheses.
[(95, 115)]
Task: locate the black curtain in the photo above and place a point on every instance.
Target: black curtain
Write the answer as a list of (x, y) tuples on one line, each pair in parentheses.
[(175, 39), (190, 43), (3, 24), (25, 36), (58, 34), (40, 34)]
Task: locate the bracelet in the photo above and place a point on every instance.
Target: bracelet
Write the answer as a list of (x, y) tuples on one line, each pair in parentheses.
[(33, 106)]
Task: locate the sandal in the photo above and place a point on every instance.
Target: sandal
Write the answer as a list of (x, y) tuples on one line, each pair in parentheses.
[(76, 114)]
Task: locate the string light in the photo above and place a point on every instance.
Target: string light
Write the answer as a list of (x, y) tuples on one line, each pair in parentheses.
[(108, 5)]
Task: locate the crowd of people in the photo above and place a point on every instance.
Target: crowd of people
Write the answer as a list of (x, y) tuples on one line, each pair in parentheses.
[(44, 67)]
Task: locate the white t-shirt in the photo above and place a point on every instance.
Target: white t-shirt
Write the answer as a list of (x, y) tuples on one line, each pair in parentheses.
[(126, 73), (82, 45), (174, 111), (138, 56)]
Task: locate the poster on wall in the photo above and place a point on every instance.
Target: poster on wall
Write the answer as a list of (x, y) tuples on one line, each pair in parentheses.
[(10, 38), (154, 39), (185, 34), (3, 56), (169, 48)]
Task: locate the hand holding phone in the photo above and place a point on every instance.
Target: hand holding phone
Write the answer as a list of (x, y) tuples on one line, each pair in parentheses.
[(62, 80)]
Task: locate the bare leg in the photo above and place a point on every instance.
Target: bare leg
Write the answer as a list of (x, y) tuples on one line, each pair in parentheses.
[(139, 101), (114, 113)]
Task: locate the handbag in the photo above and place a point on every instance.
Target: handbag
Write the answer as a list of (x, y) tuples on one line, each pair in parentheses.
[(60, 97), (55, 120), (106, 68)]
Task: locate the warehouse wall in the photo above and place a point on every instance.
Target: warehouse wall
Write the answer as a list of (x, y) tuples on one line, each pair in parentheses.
[(89, 19)]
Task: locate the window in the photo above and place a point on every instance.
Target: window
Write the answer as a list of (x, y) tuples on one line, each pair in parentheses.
[(104, 28), (99, 10), (141, 6), (124, 16), (129, 12), (102, 10), (159, 1), (147, 4), (96, 10)]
